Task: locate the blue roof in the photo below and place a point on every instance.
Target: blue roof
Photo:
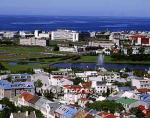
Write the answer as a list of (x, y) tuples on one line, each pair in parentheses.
[(5, 84), (144, 96), (124, 88), (70, 112), (8, 85)]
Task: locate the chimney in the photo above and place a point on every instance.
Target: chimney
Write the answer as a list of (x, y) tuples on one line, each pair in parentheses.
[(27, 113)]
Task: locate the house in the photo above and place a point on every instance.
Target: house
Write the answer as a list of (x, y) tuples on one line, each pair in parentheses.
[(24, 98), (123, 89), (10, 90), (99, 87), (85, 114), (65, 111), (23, 115), (126, 102), (72, 93), (144, 110), (130, 94), (107, 115), (141, 83), (61, 78), (5, 89), (21, 77)]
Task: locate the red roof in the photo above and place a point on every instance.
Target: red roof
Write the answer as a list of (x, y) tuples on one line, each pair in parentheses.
[(107, 115), (143, 90), (136, 36), (145, 111), (27, 96), (73, 86)]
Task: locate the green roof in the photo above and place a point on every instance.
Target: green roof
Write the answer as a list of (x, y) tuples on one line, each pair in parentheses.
[(125, 100)]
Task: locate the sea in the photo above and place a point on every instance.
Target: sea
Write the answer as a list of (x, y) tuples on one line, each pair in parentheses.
[(78, 23)]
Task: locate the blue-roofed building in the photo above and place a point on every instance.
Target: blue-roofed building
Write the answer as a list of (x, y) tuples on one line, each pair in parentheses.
[(124, 89), (5, 89), (9, 90), (65, 111)]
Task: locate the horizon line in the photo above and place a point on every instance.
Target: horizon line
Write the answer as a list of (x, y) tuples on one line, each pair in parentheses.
[(46, 15)]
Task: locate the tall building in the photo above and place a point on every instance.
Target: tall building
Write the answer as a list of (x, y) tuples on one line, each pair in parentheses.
[(65, 35)]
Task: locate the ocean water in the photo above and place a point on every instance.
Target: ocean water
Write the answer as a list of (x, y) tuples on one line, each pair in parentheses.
[(49, 23)]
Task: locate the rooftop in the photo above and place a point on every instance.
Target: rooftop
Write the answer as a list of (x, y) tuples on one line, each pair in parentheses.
[(125, 100)]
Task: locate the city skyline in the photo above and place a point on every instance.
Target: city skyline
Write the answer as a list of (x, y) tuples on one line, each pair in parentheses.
[(134, 8)]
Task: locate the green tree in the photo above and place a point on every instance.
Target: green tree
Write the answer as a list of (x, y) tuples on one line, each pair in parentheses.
[(49, 95), (141, 50), (9, 79), (129, 51), (56, 48), (138, 73), (106, 105), (38, 83), (77, 81), (137, 112)]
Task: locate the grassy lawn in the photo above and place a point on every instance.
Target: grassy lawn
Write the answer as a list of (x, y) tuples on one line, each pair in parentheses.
[(108, 59), (22, 67), (88, 59)]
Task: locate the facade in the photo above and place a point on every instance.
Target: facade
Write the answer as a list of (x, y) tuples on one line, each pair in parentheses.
[(10, 90), (104, 44), (65, 35), (33, 42), (40, 34), (141, 83), (140, 39)]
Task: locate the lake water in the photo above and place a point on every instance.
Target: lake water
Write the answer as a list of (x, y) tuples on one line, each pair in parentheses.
[(106, 65)]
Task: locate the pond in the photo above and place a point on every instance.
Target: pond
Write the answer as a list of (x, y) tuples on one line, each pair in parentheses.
[(105, 65)]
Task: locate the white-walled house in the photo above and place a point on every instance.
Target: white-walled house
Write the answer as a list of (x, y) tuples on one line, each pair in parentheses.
[(141, 83)]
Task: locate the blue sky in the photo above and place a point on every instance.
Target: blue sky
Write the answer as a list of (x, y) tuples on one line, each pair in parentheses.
[(140, 8)]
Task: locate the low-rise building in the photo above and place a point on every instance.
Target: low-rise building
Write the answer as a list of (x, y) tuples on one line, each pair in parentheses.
[(141, 83), (33, 42)]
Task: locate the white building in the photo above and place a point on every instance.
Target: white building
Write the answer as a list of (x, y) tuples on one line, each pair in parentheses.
[(39, 34), (9, 34), (33, 42), (26, 34), (141, 83), (65, 35), (68, 49)]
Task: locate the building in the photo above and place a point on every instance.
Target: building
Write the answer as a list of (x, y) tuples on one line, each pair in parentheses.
[(33, 42), (104, 44), (63, 35), (25, 34), (126, 102), (23, 115), (21, 77), (39, 34), (140, 39), (65, 111), (141, 83), (10, 90)]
